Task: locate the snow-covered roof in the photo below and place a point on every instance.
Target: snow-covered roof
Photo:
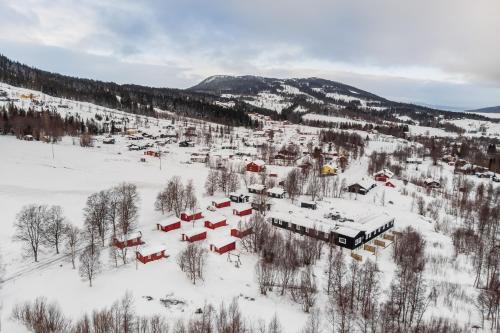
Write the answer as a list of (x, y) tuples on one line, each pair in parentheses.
[(259, 162), (222, 241), (214, 217), (346, 231), (371, 223), (168, 221), (220, 200), (147, 250), (384, 172), (130, 236), (242, 207), (194, 231), (256, 187), (276, 190), (191, 212)]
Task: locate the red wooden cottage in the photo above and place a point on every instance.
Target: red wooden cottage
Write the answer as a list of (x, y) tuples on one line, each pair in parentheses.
[(223, 245), (191, 215), (221, 203), (150, 253), (390, 184), (169, 224), (152, 153), (256, 166), (194, 235), (383, 175), (131, 239), (214, 221), (241, 232), (242, 210)]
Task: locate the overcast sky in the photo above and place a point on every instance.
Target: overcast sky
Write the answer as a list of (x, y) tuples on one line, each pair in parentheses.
[(439, 52)]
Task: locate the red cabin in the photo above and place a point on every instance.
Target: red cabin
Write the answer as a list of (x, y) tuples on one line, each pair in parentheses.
[(214, 221), (194, 235), (132, 239), (221, 203), (256, 166), (152, 153), (381, 178), (240, 233), (191, 215), (150, 253), (242, 210), (390, 184), (383, 175), (223, 245), (169, 224)]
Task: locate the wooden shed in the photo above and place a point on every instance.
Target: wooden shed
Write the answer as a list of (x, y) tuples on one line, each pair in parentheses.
[(150, 253), (221, 203), (191, 215), (214, 221), (169, 224), (242, 210), (223, 245), (241, 230), (256, 166), (194, 235), (131, 239)]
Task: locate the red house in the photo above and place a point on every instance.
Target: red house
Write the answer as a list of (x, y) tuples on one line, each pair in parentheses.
[(223, 245), (214, 221), (191, 215), (150, 253), (256, 166), (241, 232), (152, 153), (194, 235), (221, 203), (242, 210), (383, 175), (390, 184), (132, 239), (171, 223)]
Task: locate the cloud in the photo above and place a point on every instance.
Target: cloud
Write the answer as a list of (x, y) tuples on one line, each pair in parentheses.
[(450, 43)]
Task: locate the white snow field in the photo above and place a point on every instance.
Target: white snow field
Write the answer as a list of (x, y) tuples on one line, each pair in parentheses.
[(66, 174)]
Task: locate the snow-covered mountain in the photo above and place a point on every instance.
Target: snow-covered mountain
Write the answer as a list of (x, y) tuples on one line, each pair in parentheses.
[(304, 94)]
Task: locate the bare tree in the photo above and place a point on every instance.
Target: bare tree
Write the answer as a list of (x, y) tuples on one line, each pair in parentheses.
[(90, 263), (41, 316), (53, 231), (72, 237), (128, 210), (190, 196), (292, 184), (192, 261), (211, 183), (29, 225)]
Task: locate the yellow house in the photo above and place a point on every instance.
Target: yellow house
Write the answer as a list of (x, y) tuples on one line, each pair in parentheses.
[(328, 170)]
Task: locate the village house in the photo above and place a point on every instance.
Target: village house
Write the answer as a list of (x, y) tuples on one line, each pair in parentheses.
[(256, 188), (239, 197), (361, 187), (350, 235), (131, 239), (431, 183), (383, 175), (256, 166), (150, 253), (242, 210), (221, 203), (191, 215), (169, 224), (223, 245), (328, 170), (241, 230), (194, 235), (276, 192), (214, 221)]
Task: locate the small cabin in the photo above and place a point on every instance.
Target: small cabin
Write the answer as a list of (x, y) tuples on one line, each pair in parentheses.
[(243, 210), (194, 235), (308, 204), (108, 141), (132, 239), (221, 203), (186, 144), (189, 216), (383, 175), (256, 166), (223, 245), (171, 223), (238, 197), (361, 187), (328, 170), (256, 188), (390, 184), (153, 153), (214, 221), (431, 183), (150, 253), (276, 192), (241, 232)]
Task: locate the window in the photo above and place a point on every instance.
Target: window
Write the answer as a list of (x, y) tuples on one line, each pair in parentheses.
[(358, 241), (342, 240)]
